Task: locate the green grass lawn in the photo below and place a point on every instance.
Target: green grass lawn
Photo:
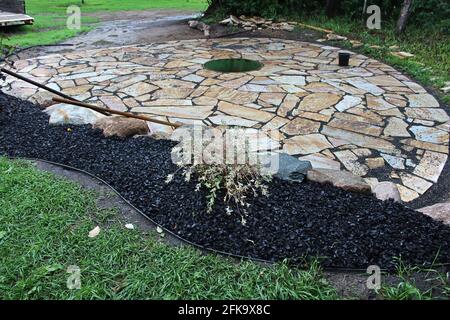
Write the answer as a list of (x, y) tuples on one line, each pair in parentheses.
[(44, 226), (50, 17)]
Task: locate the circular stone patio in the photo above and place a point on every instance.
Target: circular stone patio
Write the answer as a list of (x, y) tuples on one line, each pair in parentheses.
[(367, 118)]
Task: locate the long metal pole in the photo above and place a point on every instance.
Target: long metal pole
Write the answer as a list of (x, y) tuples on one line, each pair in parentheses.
[(122, 113)]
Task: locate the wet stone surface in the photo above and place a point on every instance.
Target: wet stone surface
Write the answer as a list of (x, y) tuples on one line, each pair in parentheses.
[(319, 110)]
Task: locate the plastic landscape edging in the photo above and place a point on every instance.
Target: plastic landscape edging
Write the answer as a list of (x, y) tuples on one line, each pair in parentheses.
[(188, 242)]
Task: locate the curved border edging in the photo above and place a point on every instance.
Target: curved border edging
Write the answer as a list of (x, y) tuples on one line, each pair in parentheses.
[(187, 242)]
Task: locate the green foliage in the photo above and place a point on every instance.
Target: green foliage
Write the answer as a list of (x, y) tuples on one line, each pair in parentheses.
[(432, 14), (5, 48), (265, 8), (407, 288), (424, 12)]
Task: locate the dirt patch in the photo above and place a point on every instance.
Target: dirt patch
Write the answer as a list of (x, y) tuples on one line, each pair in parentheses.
[(144, 27), (125, 28)]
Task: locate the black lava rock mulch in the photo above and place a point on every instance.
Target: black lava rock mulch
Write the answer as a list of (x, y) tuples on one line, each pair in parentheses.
[(297, 220)]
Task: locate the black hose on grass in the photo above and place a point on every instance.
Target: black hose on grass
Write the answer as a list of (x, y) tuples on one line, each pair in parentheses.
[(187, 242)]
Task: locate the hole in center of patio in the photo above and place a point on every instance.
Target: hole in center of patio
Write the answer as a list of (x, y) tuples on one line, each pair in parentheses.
[(233, 65)]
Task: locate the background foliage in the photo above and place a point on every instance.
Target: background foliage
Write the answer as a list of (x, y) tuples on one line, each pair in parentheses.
[(424, 12)]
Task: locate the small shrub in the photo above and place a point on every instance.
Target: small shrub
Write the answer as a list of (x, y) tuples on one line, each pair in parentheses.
[(237, 181)]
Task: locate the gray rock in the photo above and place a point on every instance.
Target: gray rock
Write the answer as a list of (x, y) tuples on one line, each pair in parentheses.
[(67, 114), (340, 179), (387, 190), (285, 166), (438, 211)]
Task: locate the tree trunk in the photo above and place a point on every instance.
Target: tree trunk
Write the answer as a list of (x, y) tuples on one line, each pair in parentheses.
[(332, 7), (404, 15), (213, 7), (364, 10)]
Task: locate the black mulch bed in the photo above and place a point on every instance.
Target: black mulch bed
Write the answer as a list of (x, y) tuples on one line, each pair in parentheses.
[(296, 221)]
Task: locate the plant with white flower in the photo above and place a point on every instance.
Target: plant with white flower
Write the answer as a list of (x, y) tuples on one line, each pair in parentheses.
[(222, 161), (237, 183), (169, 178)]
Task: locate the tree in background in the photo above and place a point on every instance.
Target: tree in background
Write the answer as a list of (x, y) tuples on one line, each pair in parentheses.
[(433, 14), (332, 7), (404, 15)]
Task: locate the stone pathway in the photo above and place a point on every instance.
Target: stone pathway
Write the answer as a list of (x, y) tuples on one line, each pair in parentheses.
[(367, 118)]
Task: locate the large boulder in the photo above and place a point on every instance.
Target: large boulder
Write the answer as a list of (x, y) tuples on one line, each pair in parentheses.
[(340, 179), (438, 211), (62, 113), (386, 191), (122, 127)]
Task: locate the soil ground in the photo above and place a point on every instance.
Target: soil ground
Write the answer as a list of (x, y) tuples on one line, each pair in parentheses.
[(143, 27)]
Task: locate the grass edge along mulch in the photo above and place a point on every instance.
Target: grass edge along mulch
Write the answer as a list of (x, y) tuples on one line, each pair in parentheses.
[(45, 223)]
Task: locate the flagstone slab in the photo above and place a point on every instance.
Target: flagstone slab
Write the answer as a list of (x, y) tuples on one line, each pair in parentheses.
[(421, 100), (429, 134), (350, 162), (169, 102), (359, 139), (244, 112), (195, 112), (407, 194), (306, 144), (396, 128), (319, 161), (289, 103), (139, 89), (222, 119), (432, 114), (366, 118), (356, 126), (318, 101), (431, 165), (415, 183), (300, 126), (393, 161), (348, 102), (114, 103), (378, 103), (366, 86)]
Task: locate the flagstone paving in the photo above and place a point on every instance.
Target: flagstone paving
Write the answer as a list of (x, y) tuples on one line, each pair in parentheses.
[(367, 118)]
